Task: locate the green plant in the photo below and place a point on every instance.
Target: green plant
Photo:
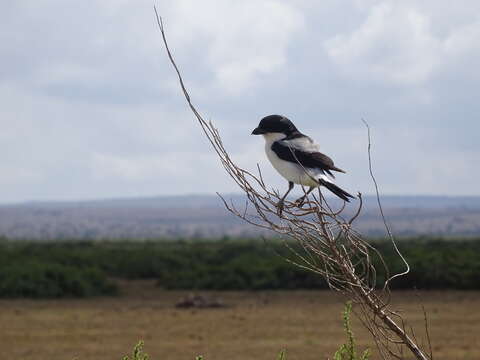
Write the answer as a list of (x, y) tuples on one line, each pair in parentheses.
[(281, 356), (347, 351), (137, 353)]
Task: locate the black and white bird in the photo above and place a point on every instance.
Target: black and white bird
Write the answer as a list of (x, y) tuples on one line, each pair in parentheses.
[(297, 158)]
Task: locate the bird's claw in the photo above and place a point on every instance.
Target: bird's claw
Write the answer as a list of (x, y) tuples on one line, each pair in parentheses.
[(280, 208), (299, 202)]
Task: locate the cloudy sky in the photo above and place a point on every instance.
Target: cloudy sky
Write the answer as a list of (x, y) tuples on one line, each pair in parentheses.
[(90, 107)]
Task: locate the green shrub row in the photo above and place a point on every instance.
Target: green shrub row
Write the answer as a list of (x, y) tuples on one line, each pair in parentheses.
[(56, 269), (35, 279)]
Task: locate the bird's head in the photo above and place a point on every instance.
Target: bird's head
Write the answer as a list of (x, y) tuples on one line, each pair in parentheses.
[(274, 124)]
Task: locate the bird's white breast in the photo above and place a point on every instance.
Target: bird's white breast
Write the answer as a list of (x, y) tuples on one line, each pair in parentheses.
[(290, 171)]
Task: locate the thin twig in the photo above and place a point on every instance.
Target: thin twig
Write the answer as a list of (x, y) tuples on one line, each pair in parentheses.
[(390, 235)]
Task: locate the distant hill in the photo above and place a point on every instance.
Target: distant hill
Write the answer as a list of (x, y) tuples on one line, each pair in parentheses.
[(204, 216)]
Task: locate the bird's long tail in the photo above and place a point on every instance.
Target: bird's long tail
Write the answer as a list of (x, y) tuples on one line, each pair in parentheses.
[(342, 194)]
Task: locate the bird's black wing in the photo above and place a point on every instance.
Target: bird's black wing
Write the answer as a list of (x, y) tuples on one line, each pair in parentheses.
[(307, 159)]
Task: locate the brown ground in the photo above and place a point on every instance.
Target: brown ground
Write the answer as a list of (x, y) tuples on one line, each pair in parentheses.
[(255, 326)]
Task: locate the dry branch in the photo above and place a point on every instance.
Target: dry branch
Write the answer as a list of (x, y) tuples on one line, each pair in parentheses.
[(331, 247)]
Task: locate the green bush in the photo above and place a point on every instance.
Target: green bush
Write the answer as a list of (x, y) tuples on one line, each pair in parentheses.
[(46, 280), (236, 264)]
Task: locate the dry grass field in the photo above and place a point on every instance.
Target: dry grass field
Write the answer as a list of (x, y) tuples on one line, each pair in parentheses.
[(255, 325)]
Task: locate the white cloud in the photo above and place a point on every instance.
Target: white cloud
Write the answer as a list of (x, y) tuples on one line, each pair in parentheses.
[(462, 46), (130, 168), (399, 44), (394, 44), (245, 39)]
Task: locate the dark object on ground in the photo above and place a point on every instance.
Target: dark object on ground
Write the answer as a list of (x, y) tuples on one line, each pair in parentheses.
[(199, 302)]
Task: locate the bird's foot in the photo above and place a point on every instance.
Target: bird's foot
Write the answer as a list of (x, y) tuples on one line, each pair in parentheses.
[(300, 201), (280, 208)]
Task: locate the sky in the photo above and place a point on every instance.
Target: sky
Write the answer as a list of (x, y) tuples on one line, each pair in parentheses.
[(91, 108)]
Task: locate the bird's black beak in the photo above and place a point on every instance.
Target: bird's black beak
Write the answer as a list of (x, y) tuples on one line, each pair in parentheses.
[(258, 131)]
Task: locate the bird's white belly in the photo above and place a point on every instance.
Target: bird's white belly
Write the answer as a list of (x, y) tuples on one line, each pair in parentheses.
[(293, 172)]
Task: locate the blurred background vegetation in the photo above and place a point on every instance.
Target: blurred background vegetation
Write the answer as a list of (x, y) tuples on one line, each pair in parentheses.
[(89, 268)]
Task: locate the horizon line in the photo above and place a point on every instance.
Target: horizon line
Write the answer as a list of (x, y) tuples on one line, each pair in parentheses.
[(151, 197)]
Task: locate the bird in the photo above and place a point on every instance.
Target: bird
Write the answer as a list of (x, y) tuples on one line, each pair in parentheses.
[(297, 158)]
